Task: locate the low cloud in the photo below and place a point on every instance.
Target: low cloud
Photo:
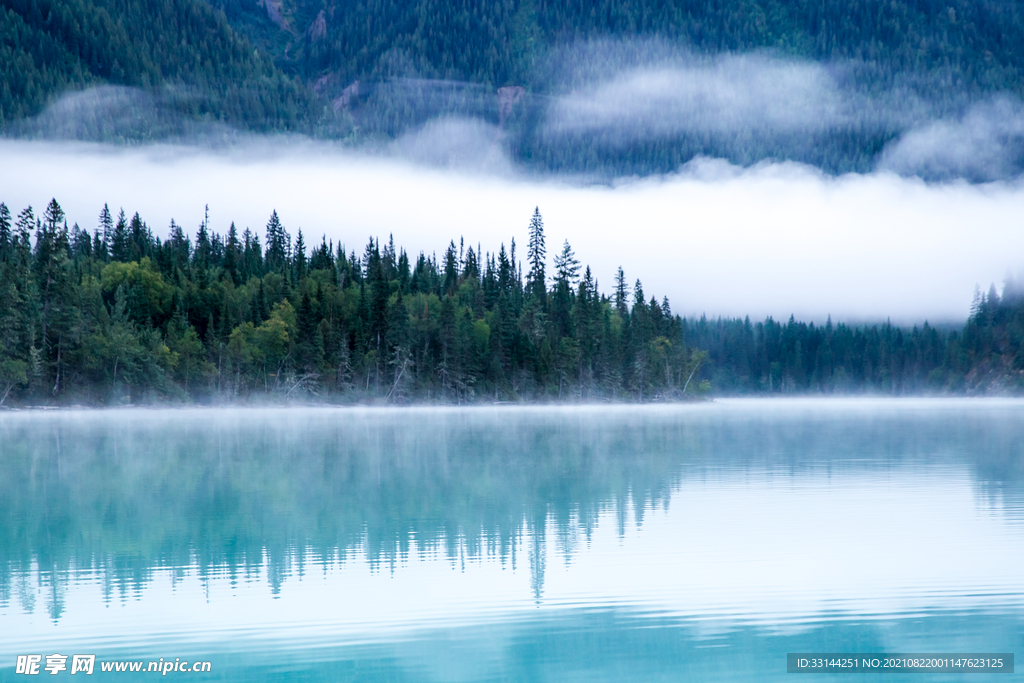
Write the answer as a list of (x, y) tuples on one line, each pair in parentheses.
[(119, 114), (985, 144), (612, 108), (774, 239), (456, 143), (725, 95), (764, 238), (758, 106)]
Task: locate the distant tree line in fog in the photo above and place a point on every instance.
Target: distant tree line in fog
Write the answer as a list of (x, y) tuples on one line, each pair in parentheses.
[(121, 316), (985, 356)]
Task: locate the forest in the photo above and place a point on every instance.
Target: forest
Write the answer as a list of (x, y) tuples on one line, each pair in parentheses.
[(985, 355), (180, 53), (120, 316), (369, 73)]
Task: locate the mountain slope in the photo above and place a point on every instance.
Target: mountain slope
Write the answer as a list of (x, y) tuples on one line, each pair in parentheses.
[(928, 87), (972, 43), (183, 49)]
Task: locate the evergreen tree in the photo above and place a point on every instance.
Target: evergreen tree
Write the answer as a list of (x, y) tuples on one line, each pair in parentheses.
[(233, 255), (203, 255), (300, 256), (5, 230), (277, 257), (621, 293), (567, 268), (140, 241), (120, 250), (536, 281), (106, 225), (451, 270)]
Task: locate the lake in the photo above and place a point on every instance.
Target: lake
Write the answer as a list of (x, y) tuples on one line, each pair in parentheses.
[(610, 543)]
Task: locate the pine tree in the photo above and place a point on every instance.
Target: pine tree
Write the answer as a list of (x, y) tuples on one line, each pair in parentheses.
[(140, 242), (56, 288), (178, 250), (567, 268), (300, 257), (119, 247), (536, 281), (451, 270), (204, 249), (252, 259), (106, 225), (277, 245), (5, 231), (99, 247), (233, 255), (404, 275), (621, 293)]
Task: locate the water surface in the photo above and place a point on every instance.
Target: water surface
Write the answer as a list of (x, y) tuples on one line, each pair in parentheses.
[(507, 543)]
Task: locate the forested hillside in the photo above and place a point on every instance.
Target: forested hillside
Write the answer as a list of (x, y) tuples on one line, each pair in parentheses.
[(370, 72), (972, 43), (181, 51), (123, 316), (391, 66)]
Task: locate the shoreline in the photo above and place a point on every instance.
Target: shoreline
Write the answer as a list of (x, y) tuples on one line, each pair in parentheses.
[(722, 401)]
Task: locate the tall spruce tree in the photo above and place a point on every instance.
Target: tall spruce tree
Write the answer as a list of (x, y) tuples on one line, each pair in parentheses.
[(621, 293), (233, 255), (276, 259), (119, 249), (106, 225), (299, 259), (536, 253), (5, 230)]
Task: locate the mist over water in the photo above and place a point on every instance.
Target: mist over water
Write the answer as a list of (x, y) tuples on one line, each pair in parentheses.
[(465, 543)]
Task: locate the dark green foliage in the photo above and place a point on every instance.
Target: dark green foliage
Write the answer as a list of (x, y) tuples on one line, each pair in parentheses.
[(377, 70), (123, 316), (182, 51), (131, 317), (504, 43), (986, 356), (392, 66)]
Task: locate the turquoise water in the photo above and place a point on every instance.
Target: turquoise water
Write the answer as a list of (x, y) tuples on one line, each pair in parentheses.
[(696, 542)]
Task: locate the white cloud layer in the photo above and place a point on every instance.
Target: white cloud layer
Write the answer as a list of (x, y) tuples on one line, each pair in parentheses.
[(734, 93), (776, 239), (455, 143), (987, 143), (783, 107)]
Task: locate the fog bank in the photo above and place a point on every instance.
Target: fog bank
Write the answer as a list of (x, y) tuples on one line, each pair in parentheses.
[(613, 108), (775, 239)]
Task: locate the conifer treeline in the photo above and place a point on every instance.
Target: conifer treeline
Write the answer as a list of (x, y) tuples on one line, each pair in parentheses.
[(985, 356), (121, 316)]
